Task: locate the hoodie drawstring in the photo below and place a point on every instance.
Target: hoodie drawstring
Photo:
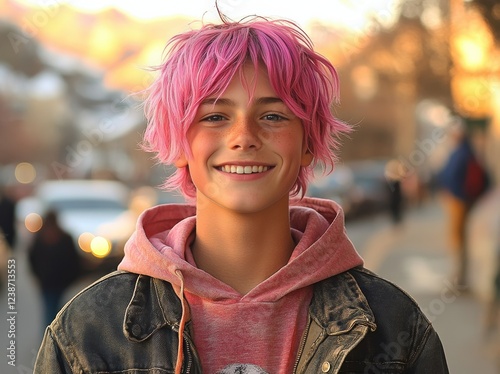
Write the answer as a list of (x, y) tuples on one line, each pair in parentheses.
[(182, 324)]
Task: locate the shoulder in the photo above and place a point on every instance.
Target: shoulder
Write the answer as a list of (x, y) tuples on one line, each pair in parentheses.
[(377, 290), (390, 304), (113, 315), (403, 334), (379, 299), (397, 315), (111, 292), (92, 319), (105, 303)]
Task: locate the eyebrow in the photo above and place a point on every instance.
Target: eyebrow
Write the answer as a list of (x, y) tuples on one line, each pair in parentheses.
[(229, 102), (268, 100)]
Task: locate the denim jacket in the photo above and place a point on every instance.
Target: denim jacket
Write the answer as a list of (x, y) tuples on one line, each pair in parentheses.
[(128, 323)]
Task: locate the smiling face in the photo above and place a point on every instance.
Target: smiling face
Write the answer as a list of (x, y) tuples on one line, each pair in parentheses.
[(247, 150)]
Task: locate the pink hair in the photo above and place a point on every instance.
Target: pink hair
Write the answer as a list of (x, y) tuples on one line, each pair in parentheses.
[(202, 62)]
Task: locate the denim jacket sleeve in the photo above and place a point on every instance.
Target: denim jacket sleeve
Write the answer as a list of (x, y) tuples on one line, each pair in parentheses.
[(50, 358), (404, 340), (431, 357)]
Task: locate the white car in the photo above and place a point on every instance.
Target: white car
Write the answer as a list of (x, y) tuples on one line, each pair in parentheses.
[(86, 209)]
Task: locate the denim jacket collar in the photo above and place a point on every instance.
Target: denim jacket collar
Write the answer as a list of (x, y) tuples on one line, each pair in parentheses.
[(153, 305), (338, 304)]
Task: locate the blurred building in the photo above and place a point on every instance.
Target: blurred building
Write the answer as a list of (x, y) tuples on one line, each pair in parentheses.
[(388, 74), (73, 114), (55, 112)]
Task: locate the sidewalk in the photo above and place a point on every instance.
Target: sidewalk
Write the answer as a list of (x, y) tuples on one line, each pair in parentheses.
[(414, 257), (484, 239)]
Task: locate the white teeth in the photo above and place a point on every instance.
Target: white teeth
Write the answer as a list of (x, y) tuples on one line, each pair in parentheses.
[(238, 169)]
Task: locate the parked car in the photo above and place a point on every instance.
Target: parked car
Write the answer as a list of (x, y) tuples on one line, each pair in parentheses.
[(337, 186), (360, 187), (371, 187), (86, 210)]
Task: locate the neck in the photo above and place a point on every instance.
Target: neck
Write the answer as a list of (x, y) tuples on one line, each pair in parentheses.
[(242, 250)]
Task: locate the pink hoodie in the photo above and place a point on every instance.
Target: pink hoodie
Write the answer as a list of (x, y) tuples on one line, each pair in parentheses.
[(262, 329)]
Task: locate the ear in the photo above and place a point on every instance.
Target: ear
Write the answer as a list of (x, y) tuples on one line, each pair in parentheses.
[(181, 161), (307, 158)]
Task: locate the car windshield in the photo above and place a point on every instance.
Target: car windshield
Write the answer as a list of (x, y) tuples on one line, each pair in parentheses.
[(86, 204)]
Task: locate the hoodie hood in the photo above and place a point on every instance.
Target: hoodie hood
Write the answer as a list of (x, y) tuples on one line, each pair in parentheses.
[(160, 248), (275, 311)]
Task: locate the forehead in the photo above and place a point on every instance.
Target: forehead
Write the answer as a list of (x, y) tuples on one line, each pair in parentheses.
[(251, 80)]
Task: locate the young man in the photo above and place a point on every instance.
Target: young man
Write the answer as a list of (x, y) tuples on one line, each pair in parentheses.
[(251, 278)]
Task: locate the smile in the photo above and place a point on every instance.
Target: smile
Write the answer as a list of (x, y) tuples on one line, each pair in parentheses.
[(238, 169)]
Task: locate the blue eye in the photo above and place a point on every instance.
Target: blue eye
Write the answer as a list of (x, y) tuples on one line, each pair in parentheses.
[(214, 118), (273, 117)]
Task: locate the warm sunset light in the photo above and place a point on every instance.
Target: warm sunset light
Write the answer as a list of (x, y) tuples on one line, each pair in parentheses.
[(473, 45), (125, 37), (473, 50), (350, 14), (104, 44)]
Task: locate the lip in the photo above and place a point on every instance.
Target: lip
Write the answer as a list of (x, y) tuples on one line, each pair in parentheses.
[(244, 163)]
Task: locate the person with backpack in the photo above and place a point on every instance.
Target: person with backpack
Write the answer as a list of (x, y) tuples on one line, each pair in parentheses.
[(462, 180)]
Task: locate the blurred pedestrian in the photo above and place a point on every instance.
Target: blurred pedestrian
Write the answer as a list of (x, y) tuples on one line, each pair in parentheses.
[(7, 219), (4, 257), (55, 262), (396, 201), (394, 174), (462, 182)]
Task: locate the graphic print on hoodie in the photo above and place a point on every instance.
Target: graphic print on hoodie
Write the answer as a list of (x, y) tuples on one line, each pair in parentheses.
[(242, 369), (258, 332)]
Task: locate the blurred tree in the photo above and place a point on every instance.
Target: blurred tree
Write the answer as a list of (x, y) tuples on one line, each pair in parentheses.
[(395, 69), (19, 50)]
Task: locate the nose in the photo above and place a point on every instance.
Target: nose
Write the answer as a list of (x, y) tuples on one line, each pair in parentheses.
[(245, 134)]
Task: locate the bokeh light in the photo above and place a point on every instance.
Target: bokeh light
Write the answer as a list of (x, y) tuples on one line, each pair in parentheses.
[(100, 247), (25, 173), (33, 222), (84, 241)]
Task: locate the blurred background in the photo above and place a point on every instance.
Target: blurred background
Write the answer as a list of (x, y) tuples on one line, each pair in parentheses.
[(70, 126)]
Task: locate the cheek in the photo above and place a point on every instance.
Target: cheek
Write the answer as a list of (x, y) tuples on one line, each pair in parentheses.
[(203, 149), (291, 143), (202, 144)]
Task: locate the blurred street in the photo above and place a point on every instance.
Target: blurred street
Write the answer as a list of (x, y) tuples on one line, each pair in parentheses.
[(410, 74), (413, 256)]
